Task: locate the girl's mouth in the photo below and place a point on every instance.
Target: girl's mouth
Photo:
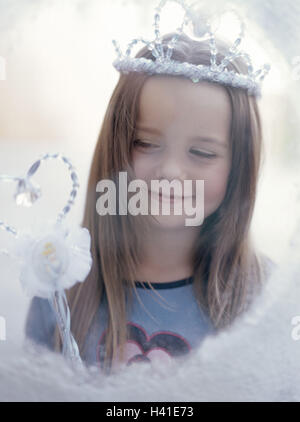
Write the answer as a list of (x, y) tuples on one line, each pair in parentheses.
[(170, 199)]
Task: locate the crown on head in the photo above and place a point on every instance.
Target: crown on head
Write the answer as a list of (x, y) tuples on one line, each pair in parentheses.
[(215, 72)]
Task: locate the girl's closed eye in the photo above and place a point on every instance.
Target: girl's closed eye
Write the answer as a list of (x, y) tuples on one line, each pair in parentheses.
[(138, 143), (148, 146), (203, 154)]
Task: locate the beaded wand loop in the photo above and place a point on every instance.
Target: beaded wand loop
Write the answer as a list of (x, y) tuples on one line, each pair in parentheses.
[(55, 257)]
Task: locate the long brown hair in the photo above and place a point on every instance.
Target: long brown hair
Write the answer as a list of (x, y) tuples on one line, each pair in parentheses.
[(224, 255)]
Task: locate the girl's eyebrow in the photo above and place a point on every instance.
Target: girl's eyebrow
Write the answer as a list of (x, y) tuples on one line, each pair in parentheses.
[(193, 138), (209, 140), (149, 129)]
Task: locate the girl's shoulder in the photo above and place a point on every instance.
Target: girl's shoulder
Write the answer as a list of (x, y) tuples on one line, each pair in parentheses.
[(267, 266), (40, 323)]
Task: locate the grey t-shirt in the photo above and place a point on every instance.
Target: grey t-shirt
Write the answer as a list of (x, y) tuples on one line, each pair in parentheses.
[(169, 323)]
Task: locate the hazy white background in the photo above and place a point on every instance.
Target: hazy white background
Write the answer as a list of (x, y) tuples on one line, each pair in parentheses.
[(58, 80)]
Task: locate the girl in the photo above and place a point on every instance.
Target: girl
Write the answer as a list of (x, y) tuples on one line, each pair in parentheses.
[(158, 287)]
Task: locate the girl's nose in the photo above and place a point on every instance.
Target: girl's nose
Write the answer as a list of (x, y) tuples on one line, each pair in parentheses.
[(171, 168)]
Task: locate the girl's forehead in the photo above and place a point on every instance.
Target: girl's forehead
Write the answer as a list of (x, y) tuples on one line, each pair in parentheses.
[(177, 102)]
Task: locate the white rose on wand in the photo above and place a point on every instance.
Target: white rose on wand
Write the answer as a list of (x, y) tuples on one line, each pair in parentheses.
[(53, 258)]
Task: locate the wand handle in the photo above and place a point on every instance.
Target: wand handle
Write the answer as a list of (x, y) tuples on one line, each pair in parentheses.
[(59, 304)]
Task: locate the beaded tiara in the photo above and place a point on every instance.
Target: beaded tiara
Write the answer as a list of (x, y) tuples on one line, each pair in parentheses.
[(215, 72)]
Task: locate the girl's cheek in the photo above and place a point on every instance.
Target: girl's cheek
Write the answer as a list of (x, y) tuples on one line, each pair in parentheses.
[(136, 165), (215, 183), (142, 166)]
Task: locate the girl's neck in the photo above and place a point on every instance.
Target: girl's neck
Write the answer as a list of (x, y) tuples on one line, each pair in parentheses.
[(167, 255)]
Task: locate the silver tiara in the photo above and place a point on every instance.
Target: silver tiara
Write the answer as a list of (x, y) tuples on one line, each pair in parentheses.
[(163, 63)]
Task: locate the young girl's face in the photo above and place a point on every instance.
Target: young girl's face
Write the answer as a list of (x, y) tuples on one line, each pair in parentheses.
[(183, 133)]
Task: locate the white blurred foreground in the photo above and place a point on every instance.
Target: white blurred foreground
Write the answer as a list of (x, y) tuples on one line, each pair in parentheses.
[(256, 360)]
